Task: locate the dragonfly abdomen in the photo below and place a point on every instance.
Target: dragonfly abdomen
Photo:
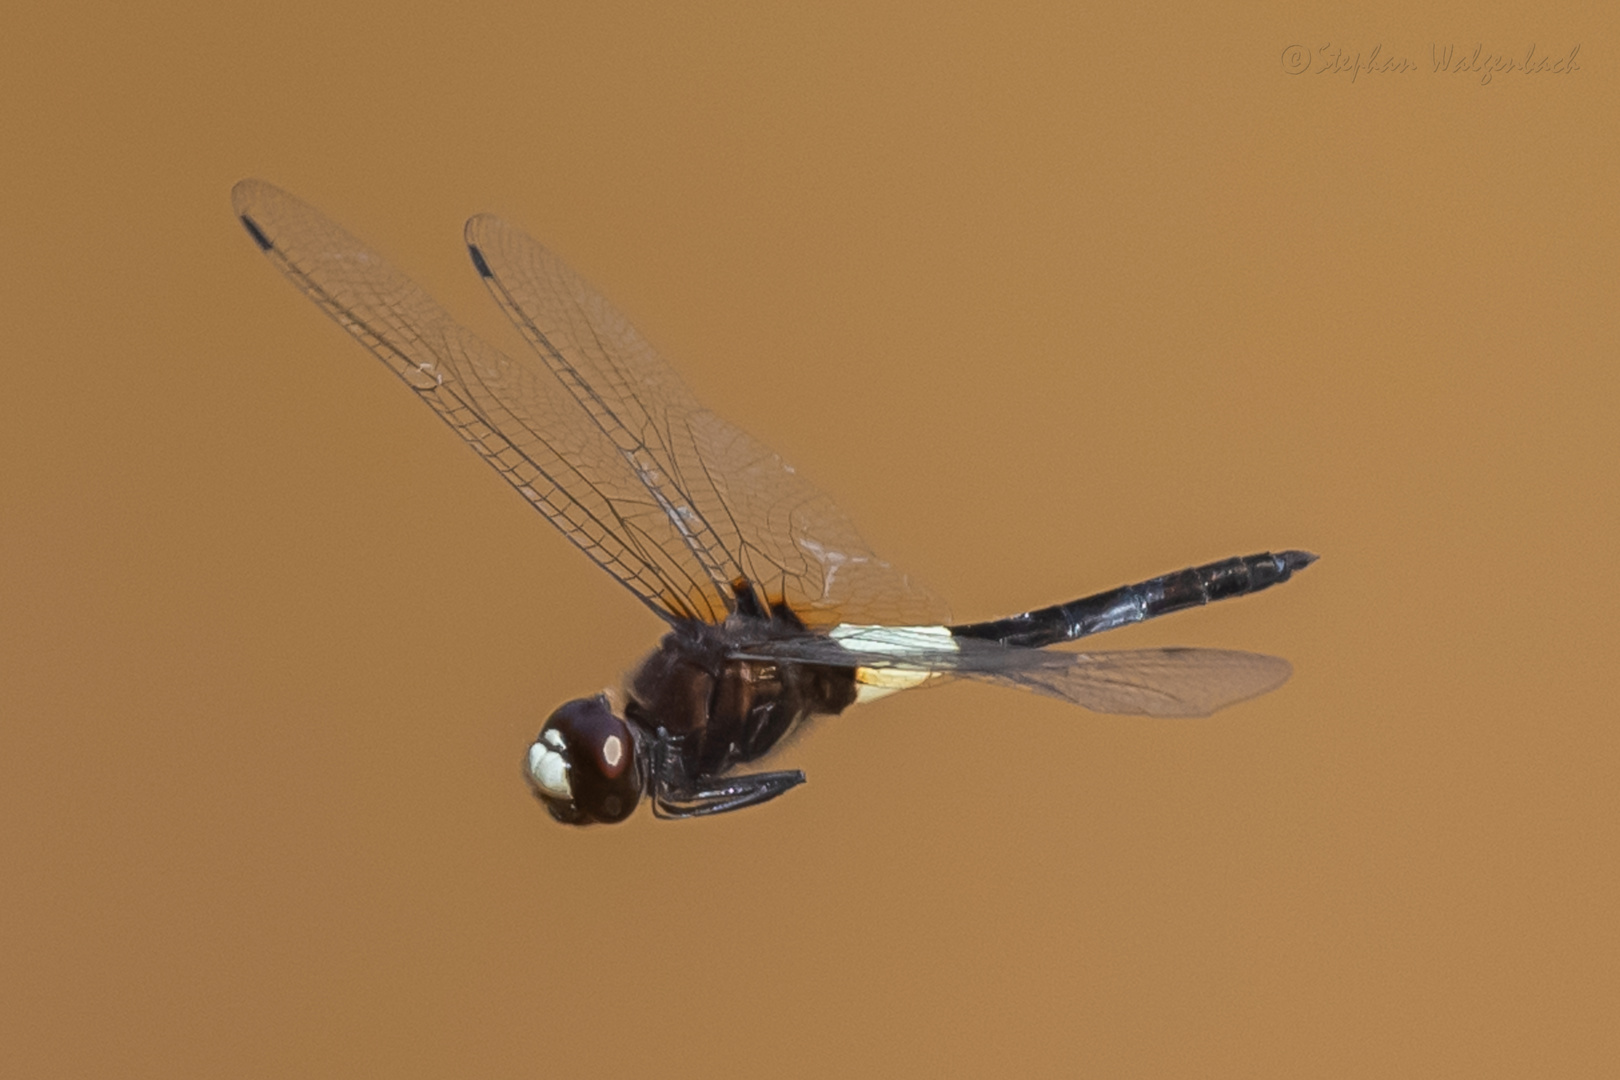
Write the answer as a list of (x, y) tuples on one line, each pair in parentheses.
[(1127, 604)]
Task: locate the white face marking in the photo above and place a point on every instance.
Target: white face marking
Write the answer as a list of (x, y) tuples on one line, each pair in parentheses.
[(613, 751), (549, 770)]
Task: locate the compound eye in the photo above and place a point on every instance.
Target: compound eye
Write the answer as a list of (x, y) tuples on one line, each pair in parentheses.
[(584, 766)]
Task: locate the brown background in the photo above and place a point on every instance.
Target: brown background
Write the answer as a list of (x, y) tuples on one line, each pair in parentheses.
[(1049, 302)]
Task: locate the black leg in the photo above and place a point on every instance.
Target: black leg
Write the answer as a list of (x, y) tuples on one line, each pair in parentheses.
[(676, 793), (723, 795)]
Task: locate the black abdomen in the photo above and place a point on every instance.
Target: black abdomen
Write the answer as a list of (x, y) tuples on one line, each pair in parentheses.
[(1192, 587)]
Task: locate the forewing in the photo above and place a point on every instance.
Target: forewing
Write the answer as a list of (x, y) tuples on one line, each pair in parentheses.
[(515, 414), (745, 512), (1140, 682)]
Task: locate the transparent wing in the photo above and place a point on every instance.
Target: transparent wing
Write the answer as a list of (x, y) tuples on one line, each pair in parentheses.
[(1147, 682), (516, 415), (743, 511), (1141, 682)]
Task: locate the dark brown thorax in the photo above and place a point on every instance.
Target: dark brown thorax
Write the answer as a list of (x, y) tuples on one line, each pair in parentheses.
[(722, 711)]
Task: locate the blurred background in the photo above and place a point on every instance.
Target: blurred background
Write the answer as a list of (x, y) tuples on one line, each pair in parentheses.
[(1048, 301)]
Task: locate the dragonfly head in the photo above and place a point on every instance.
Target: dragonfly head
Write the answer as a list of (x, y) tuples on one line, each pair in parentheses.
[(584, 764)]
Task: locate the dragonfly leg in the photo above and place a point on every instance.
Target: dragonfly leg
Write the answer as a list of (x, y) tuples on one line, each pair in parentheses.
[(677, 794), (724, 795)]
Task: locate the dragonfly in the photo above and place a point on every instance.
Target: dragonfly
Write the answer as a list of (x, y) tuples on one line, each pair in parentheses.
[(778, 612)]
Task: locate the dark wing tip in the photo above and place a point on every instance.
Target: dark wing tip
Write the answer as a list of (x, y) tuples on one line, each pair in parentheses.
[(257, 233), (1298, 560), (256, 201), (478, 261)]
